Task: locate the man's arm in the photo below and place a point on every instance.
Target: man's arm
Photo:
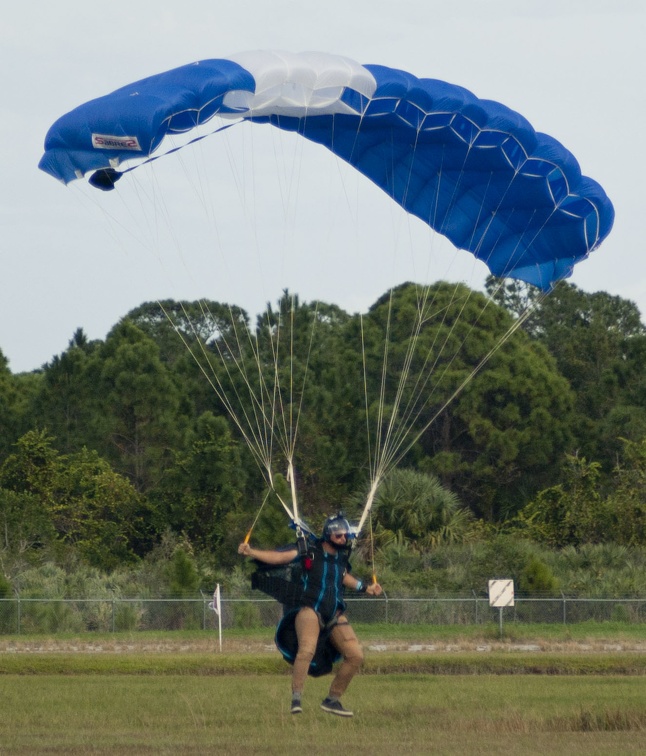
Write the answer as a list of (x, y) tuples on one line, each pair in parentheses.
[(351, 582), (268, 556)]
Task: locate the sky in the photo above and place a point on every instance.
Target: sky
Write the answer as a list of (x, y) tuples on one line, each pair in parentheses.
[(284, 215)]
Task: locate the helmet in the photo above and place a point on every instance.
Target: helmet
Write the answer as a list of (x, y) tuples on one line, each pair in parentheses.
[(337, 524)]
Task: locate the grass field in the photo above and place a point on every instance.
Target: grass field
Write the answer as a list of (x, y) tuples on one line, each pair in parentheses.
[(408, 714), (169, 693)]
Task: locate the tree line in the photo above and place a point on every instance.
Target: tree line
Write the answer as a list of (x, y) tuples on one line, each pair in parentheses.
[(116, 442)]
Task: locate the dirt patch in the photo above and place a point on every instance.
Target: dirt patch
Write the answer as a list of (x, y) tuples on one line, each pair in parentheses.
[(244, 646)]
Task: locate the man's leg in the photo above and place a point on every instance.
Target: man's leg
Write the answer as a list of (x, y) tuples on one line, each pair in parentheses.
[(346, 642), (307, 631)]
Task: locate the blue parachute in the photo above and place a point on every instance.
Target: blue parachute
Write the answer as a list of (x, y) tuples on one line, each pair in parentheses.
[(474, 170)]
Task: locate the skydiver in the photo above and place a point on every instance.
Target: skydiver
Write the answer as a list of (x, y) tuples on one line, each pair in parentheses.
[(321, 606)]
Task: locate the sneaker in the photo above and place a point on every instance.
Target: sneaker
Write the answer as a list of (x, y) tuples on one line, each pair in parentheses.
[(334, 707), (296, 707)]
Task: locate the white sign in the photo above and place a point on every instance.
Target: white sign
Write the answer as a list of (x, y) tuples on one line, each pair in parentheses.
[(501, 593)]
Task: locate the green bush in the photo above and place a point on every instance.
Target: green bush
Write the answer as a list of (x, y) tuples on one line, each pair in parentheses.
[(5, 587), (50, 617), (536, 579), (621, 613), (127, 616), (246, 616)]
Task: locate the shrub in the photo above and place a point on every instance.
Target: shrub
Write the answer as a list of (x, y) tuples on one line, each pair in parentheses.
[(537, 578)]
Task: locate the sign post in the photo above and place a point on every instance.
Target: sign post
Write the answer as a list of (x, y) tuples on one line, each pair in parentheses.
[(501, 594), (217, 608)]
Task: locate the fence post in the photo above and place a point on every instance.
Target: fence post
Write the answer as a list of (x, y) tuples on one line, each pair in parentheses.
[(113, 614), (18, 613), (475, 599)]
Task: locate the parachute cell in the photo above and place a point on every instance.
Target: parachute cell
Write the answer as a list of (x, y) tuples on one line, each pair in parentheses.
[(472, 169)]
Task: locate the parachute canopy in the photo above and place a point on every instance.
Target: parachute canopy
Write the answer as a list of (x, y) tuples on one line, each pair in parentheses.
[(472, 169)]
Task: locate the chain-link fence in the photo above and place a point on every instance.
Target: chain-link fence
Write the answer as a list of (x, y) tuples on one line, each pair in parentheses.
[(46, 615)]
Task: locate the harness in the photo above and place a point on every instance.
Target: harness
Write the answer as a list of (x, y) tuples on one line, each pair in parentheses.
[(306, 582)]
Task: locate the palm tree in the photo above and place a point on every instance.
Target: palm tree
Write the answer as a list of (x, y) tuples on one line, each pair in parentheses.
[(418, 508)]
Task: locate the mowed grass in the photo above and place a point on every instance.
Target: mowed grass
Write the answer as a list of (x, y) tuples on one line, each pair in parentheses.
[(405, 714), (583, 632), (121, 697)]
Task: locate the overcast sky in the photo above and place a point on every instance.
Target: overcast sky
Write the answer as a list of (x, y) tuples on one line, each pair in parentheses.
[(574, 68)]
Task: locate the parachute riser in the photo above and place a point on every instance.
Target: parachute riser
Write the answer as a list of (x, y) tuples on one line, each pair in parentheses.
[(368, 505), (291, 479)]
